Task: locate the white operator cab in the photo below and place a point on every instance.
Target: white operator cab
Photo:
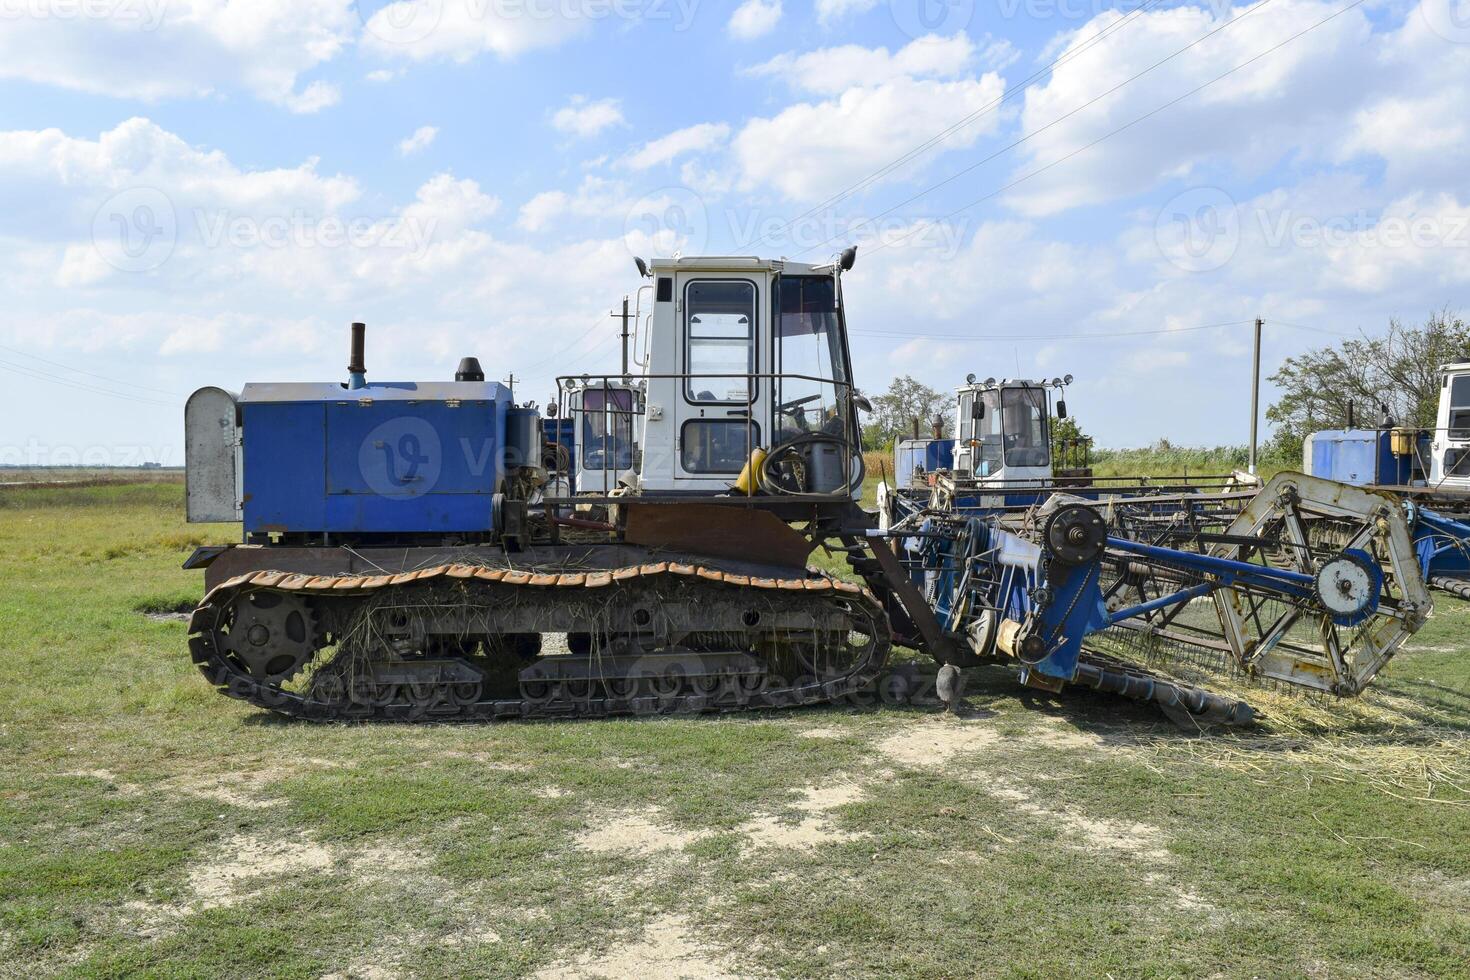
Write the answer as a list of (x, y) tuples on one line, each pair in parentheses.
[(1005, 431), (608, 419), (1451, 447), (742, 353)]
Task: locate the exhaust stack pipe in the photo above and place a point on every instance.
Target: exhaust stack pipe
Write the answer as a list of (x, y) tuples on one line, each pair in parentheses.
[(357, 363)]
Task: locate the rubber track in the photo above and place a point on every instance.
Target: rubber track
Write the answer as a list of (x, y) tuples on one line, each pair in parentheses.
[(236, 683)]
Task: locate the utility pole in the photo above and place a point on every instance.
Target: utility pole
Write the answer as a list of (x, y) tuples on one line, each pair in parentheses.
[(1256, 395), (624, 317)]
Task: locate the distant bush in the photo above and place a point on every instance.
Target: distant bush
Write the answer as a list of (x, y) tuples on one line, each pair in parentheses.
[(1163, 458)]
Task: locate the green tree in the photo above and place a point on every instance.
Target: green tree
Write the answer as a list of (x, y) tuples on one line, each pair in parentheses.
[(1069, 444), (896, 411), (1399, 370)]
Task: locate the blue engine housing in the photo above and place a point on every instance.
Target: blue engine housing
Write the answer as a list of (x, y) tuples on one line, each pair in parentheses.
[(388, 458)]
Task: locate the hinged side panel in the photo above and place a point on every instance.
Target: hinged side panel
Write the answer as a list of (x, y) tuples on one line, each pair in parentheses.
[(211, 457)]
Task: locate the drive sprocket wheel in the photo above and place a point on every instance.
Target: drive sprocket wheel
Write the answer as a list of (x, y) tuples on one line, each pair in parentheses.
[(272, 634)]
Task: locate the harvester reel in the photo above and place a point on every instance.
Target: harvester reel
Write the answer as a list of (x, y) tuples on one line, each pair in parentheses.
[(1367, 594), (273, 635)]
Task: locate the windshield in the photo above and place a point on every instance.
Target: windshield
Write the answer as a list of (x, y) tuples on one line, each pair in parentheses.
[(1460, 407), (810, 362), (1025, 427)]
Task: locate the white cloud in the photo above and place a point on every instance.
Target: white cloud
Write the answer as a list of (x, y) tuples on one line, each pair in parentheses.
[(460, 30), (753, 19), (585, 118), (693, 139), (184, 49), (420, 140), (1296, 98), (595, 198), (830, 71), (809, 149), (314, 98), (830, 10)]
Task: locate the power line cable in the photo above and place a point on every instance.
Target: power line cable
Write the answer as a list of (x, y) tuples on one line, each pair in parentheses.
[(1128, 125), (940, 137), (37, 375), (99, 377), (1057, 121), (1106, 335)]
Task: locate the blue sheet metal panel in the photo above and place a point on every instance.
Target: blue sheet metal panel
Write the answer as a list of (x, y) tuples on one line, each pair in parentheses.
[(1346, 456), (285, 466), (939, 455), (411, 450), (413, 466), (390, 458)]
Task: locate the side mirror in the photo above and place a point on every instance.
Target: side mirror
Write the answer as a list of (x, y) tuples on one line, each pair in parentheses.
[(1061, 409), (861, 403), (977, 410)]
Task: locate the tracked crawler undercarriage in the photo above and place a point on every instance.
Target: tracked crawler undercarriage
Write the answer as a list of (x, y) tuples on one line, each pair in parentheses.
[(463, 641)]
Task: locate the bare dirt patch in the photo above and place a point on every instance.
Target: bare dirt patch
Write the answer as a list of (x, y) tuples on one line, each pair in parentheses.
[(666, 950), (936, 742), (813, 827), (636, 834), (240, 789), (246, 867), (1128, 838), (247, 861)]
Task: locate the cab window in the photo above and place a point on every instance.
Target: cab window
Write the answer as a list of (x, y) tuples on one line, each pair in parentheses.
[(719, 340), (1460, 407)]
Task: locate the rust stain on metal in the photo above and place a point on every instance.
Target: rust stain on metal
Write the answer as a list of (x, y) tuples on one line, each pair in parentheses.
[(718, 532)]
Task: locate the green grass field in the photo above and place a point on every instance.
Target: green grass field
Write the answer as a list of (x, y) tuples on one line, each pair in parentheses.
[(149, 826)]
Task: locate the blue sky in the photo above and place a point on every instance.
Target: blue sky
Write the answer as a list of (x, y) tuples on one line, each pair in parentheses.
[(197, 192)]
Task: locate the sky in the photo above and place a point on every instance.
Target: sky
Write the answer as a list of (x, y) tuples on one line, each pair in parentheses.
[(200, 192)]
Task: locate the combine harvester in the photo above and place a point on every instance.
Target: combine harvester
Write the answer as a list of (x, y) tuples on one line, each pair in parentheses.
[(419, 550)]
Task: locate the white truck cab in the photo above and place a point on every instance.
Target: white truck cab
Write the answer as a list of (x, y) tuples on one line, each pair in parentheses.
[(1005, 431), (743, 354)]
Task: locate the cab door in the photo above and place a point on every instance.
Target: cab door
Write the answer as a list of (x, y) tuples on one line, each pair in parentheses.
[(723, 325)]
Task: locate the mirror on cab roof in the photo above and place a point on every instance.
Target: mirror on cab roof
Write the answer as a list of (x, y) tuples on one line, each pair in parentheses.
[(1061, 409), (977, 410)]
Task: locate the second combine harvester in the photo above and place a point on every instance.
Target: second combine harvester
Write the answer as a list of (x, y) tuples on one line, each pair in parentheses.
[(408, 548)]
